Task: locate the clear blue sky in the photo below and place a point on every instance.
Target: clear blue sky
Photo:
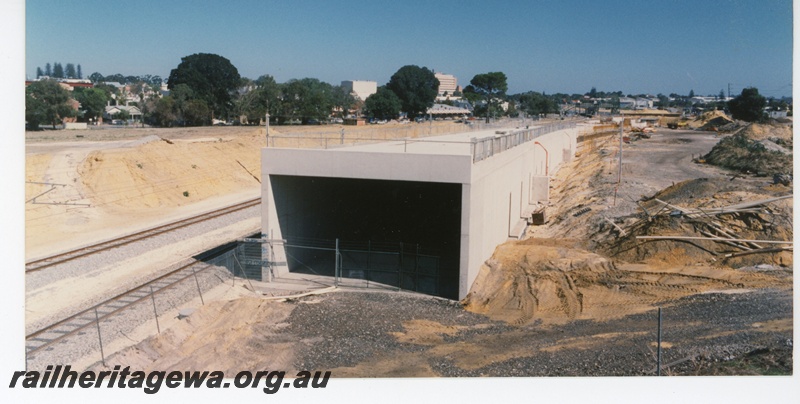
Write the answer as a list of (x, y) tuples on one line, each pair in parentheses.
[(553, 46)]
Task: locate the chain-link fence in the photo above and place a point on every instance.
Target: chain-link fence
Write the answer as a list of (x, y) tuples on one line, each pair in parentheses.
[(105, 327), (367, 264), (489, 146), (325, 139)]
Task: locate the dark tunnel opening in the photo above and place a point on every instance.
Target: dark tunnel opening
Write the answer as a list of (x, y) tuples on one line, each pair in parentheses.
[(400, 233)]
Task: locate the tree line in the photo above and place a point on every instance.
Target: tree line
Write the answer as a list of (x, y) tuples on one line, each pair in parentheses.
[(60, 72), (205, 88)]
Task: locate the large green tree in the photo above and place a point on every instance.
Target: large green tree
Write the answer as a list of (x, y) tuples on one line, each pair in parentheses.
[(182, 94), (342, 100), (534, 103), (46, 102), (70, 72), (164, 113), (93, 101), (58, 70), (416, 87), (384, 104), (212, 78), (262, 96), (96, 77), (306, 99), (197, 113), (748, 106), (491, 86)]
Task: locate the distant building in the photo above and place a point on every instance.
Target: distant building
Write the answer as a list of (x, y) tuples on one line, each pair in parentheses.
[(448, 85), (442, 110), (68, 84), (636, 103), (361, 89), (777, 114), (708, 100), (112, 110)]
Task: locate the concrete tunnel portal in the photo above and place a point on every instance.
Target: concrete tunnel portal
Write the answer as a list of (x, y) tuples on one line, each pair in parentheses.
[(418, 214), (399, 233)]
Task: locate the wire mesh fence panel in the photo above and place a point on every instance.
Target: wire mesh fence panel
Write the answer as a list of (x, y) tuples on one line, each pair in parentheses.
[(373, 266), (103, 326), (249, 260), (488, 146), (376, 133), (311, 260), (367, 264)]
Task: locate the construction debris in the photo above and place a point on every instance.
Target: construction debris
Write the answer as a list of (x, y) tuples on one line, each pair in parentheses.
[(669, 231)]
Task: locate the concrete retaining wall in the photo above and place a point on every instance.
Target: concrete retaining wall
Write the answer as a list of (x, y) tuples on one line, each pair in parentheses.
[(499, 195)]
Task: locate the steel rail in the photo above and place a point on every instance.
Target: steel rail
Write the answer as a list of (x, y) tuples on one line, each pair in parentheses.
[(56, 259), (142, 289)]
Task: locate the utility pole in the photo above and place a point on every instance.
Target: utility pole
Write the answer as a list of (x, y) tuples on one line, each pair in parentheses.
[(267, 129), (621, 127)]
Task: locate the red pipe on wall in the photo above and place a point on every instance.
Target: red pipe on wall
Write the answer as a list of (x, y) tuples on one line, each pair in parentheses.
[(546, 159)]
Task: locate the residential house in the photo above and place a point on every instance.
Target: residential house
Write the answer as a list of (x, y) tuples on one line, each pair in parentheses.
[(112, 110)]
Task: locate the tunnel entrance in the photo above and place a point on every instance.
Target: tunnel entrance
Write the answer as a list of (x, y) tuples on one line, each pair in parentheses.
[(400, 233)]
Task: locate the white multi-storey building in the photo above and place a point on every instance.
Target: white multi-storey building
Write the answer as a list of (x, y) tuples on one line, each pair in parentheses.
[(362, 89), (448, 84)]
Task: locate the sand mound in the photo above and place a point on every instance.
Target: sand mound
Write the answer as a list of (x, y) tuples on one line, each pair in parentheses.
[(525, 279), (212, 338), (775, 133), (712, 120), (160, 173), (758, 131), (752, 150), (549, 281)]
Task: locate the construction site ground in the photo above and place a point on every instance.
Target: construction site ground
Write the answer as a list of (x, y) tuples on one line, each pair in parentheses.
[(572, 299)]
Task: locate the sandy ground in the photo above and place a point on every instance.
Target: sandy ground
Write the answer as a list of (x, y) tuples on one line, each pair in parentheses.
[(549, 282), (106, 189)]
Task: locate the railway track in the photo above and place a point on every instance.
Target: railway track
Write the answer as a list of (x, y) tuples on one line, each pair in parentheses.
[(56, 259), (85, 320)]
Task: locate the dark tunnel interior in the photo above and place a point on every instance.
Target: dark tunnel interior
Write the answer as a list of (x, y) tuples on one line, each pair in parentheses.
[(399, 233)]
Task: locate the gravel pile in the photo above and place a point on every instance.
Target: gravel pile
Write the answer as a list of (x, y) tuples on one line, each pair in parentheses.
[(345, 329), (348, 328)]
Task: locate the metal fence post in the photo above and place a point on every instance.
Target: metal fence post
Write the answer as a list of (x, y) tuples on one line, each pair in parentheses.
[(99, 337), (658, 362), (199, 292), (416, 271), (400, 266), (336, 269), (244, 274), (155, 311)]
